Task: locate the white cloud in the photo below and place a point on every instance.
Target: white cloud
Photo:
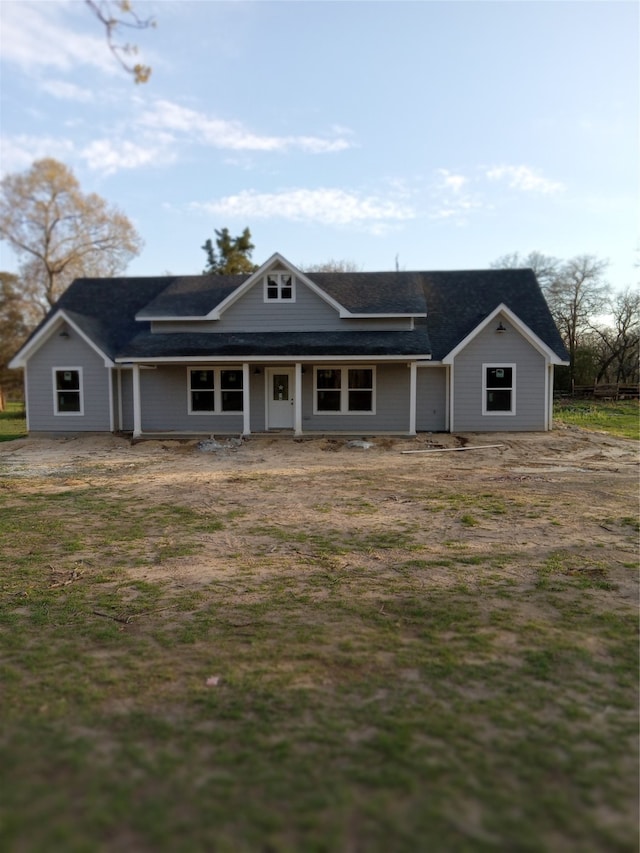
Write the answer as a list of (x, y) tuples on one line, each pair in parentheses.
[(110, 156), (19, 152), (451, 181), (325, 206), (232, 135), (453, 200), (523, 178), (33, 38), (67, 91)]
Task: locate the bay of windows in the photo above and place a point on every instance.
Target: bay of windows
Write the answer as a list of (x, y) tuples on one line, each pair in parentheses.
[(215, 389), (344, 390)]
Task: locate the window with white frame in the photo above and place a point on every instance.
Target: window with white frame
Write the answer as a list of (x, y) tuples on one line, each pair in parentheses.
[(344, 390), (215, 389), (499, 391), (279, 287), (67, 391)]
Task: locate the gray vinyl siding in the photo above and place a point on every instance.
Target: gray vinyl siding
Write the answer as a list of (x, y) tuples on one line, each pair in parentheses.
[(71, 352), (491, 348), (164, 405), (308, 312), (392, 405), (431, 413)]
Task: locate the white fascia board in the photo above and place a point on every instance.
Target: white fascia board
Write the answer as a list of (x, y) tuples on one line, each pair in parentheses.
[(178, 318), (282, 263), (515, 321), (43, 335), (347, 315), (267, 359)]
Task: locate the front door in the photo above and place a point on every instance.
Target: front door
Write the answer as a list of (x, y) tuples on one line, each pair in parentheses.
[(280, 384)]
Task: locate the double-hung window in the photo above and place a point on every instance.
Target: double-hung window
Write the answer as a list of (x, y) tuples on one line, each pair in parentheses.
[(499, 391), (214, 389), (279, 287), (67, 391), (344, 390)]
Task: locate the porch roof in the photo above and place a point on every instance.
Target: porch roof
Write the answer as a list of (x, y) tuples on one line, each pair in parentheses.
[(182, 345)]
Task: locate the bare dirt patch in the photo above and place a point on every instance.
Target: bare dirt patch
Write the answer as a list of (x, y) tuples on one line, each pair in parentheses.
[(283, 502)]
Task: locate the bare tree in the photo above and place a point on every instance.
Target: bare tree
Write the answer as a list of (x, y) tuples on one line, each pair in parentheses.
[(617, 345), (116, 15), (331, 265), (59, 234), (546, 267), (576, 296)]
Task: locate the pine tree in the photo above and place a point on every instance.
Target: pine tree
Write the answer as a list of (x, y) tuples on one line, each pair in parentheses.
[(233, 254)]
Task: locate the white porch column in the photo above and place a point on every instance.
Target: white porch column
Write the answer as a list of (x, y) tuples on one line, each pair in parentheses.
[(246, 400), (297, 401), (413, 396), (112, 413), (137, 414)]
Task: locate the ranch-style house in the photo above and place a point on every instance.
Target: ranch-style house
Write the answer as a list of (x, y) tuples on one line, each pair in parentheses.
[(284, 350)]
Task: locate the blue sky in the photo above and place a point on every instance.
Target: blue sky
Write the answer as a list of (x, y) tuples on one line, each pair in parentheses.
[(434, 135)]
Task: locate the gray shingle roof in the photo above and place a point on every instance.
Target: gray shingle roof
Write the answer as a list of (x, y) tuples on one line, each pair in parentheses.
[(255, 344), (374, 292), (191, 295), (456, 302)]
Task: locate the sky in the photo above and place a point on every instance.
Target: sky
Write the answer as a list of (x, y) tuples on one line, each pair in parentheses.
[(405, 134)]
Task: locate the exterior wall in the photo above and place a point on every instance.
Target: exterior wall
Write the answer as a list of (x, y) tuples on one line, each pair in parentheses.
[(71, 352), (507, 348), (392, 405), (164, 405), (431, 414), (307, 313)]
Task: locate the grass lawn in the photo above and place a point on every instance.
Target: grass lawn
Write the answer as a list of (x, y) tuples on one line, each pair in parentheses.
[(13, 423), (324, 692), (618, 418)]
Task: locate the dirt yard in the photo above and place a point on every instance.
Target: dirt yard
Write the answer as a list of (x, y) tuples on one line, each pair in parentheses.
[(282, 645), (530, 495)]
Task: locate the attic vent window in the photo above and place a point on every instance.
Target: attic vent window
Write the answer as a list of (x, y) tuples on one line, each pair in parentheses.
[(279, 287)]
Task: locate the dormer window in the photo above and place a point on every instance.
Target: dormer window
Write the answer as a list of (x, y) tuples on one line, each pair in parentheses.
[(279, 287)]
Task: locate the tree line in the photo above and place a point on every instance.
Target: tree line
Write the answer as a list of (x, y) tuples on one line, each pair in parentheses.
[(59, 233)]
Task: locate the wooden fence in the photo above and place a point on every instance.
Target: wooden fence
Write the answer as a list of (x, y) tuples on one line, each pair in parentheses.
[(608, 391)]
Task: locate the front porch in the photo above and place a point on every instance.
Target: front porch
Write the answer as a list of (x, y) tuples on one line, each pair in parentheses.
[(295, 397)]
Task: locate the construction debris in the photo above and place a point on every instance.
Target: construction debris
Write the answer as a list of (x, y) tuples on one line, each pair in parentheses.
[(449, 449)]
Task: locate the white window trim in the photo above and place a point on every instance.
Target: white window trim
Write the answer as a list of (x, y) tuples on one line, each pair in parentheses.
[(56, 412), (512, 411), (217, 390), (344, 389), (279, 274)]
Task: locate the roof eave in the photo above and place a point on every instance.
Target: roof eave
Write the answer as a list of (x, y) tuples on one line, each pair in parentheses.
[(522, 327), (267, 359)]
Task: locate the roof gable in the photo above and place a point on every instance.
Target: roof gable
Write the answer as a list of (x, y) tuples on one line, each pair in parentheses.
[(275, 262), (448, 307), (525, 331)]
